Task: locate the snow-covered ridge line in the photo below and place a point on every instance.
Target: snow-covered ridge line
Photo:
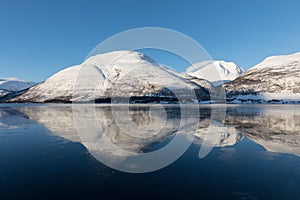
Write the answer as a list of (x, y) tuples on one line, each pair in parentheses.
[(8, 85), (120, 75), (215, 71), (274, 80), (133, 76), (278, 59)]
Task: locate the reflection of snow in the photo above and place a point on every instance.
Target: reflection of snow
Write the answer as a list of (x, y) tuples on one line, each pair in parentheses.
[(13, 119), (152, 125), (228, 136), (58, 119), (116, 135), (276, 128)]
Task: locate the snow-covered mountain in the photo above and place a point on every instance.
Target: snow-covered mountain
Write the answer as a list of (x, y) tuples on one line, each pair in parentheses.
[(217, 72), (124, 75), (8, 85), (276, 79)]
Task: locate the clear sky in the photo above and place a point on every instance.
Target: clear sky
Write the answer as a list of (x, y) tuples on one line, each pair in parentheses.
[(39, 38)]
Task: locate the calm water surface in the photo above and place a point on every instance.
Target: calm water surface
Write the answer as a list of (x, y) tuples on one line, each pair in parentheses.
[(255, 156)]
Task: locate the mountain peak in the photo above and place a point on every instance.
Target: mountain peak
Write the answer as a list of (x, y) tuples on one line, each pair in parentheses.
[(119, 57), (278, 60), (275, 79), (215, 71), (118, 75)]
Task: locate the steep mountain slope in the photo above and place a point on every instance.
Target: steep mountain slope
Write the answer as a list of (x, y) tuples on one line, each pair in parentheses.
[(216, 72), (8, 85), (276, 79), (121, 76)]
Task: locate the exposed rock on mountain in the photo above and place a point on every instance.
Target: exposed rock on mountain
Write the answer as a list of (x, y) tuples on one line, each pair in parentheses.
[(276, 79)]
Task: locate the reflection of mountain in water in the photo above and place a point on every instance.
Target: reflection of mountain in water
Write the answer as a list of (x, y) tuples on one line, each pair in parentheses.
[(228, 136), (58, 119), (114, 134), (12, 119), (135, 129), (145, 129), (276, 128)]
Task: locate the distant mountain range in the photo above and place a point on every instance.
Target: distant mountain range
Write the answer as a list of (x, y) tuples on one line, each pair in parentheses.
[(9, 85), (127, 76)]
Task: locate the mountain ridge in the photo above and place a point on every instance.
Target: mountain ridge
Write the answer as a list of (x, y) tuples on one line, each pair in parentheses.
[(9, 85), (215, 71), (132, 77), (119, 75), (275, 79)]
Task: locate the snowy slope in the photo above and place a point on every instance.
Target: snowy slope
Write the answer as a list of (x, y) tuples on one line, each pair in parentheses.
[(119, 74), (199, 81), (8, 85), (276, 79), (216, 72)]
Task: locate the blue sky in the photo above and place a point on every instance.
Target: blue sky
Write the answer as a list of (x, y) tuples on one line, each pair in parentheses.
[(39, 38)]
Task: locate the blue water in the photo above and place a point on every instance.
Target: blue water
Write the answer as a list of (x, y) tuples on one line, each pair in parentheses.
[(43, 154)]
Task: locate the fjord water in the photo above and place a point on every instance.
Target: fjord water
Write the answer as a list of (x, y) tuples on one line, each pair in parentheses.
[(255, 156)]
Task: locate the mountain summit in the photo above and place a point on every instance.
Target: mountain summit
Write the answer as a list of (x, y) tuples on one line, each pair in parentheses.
[(217, 72), (276, 79), (125, 76)]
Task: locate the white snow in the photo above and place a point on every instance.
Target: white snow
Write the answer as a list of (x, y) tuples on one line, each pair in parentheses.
[(8, 85), (119, 73), (281, 97), (280, 60), (216, 72), (277, 78)]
